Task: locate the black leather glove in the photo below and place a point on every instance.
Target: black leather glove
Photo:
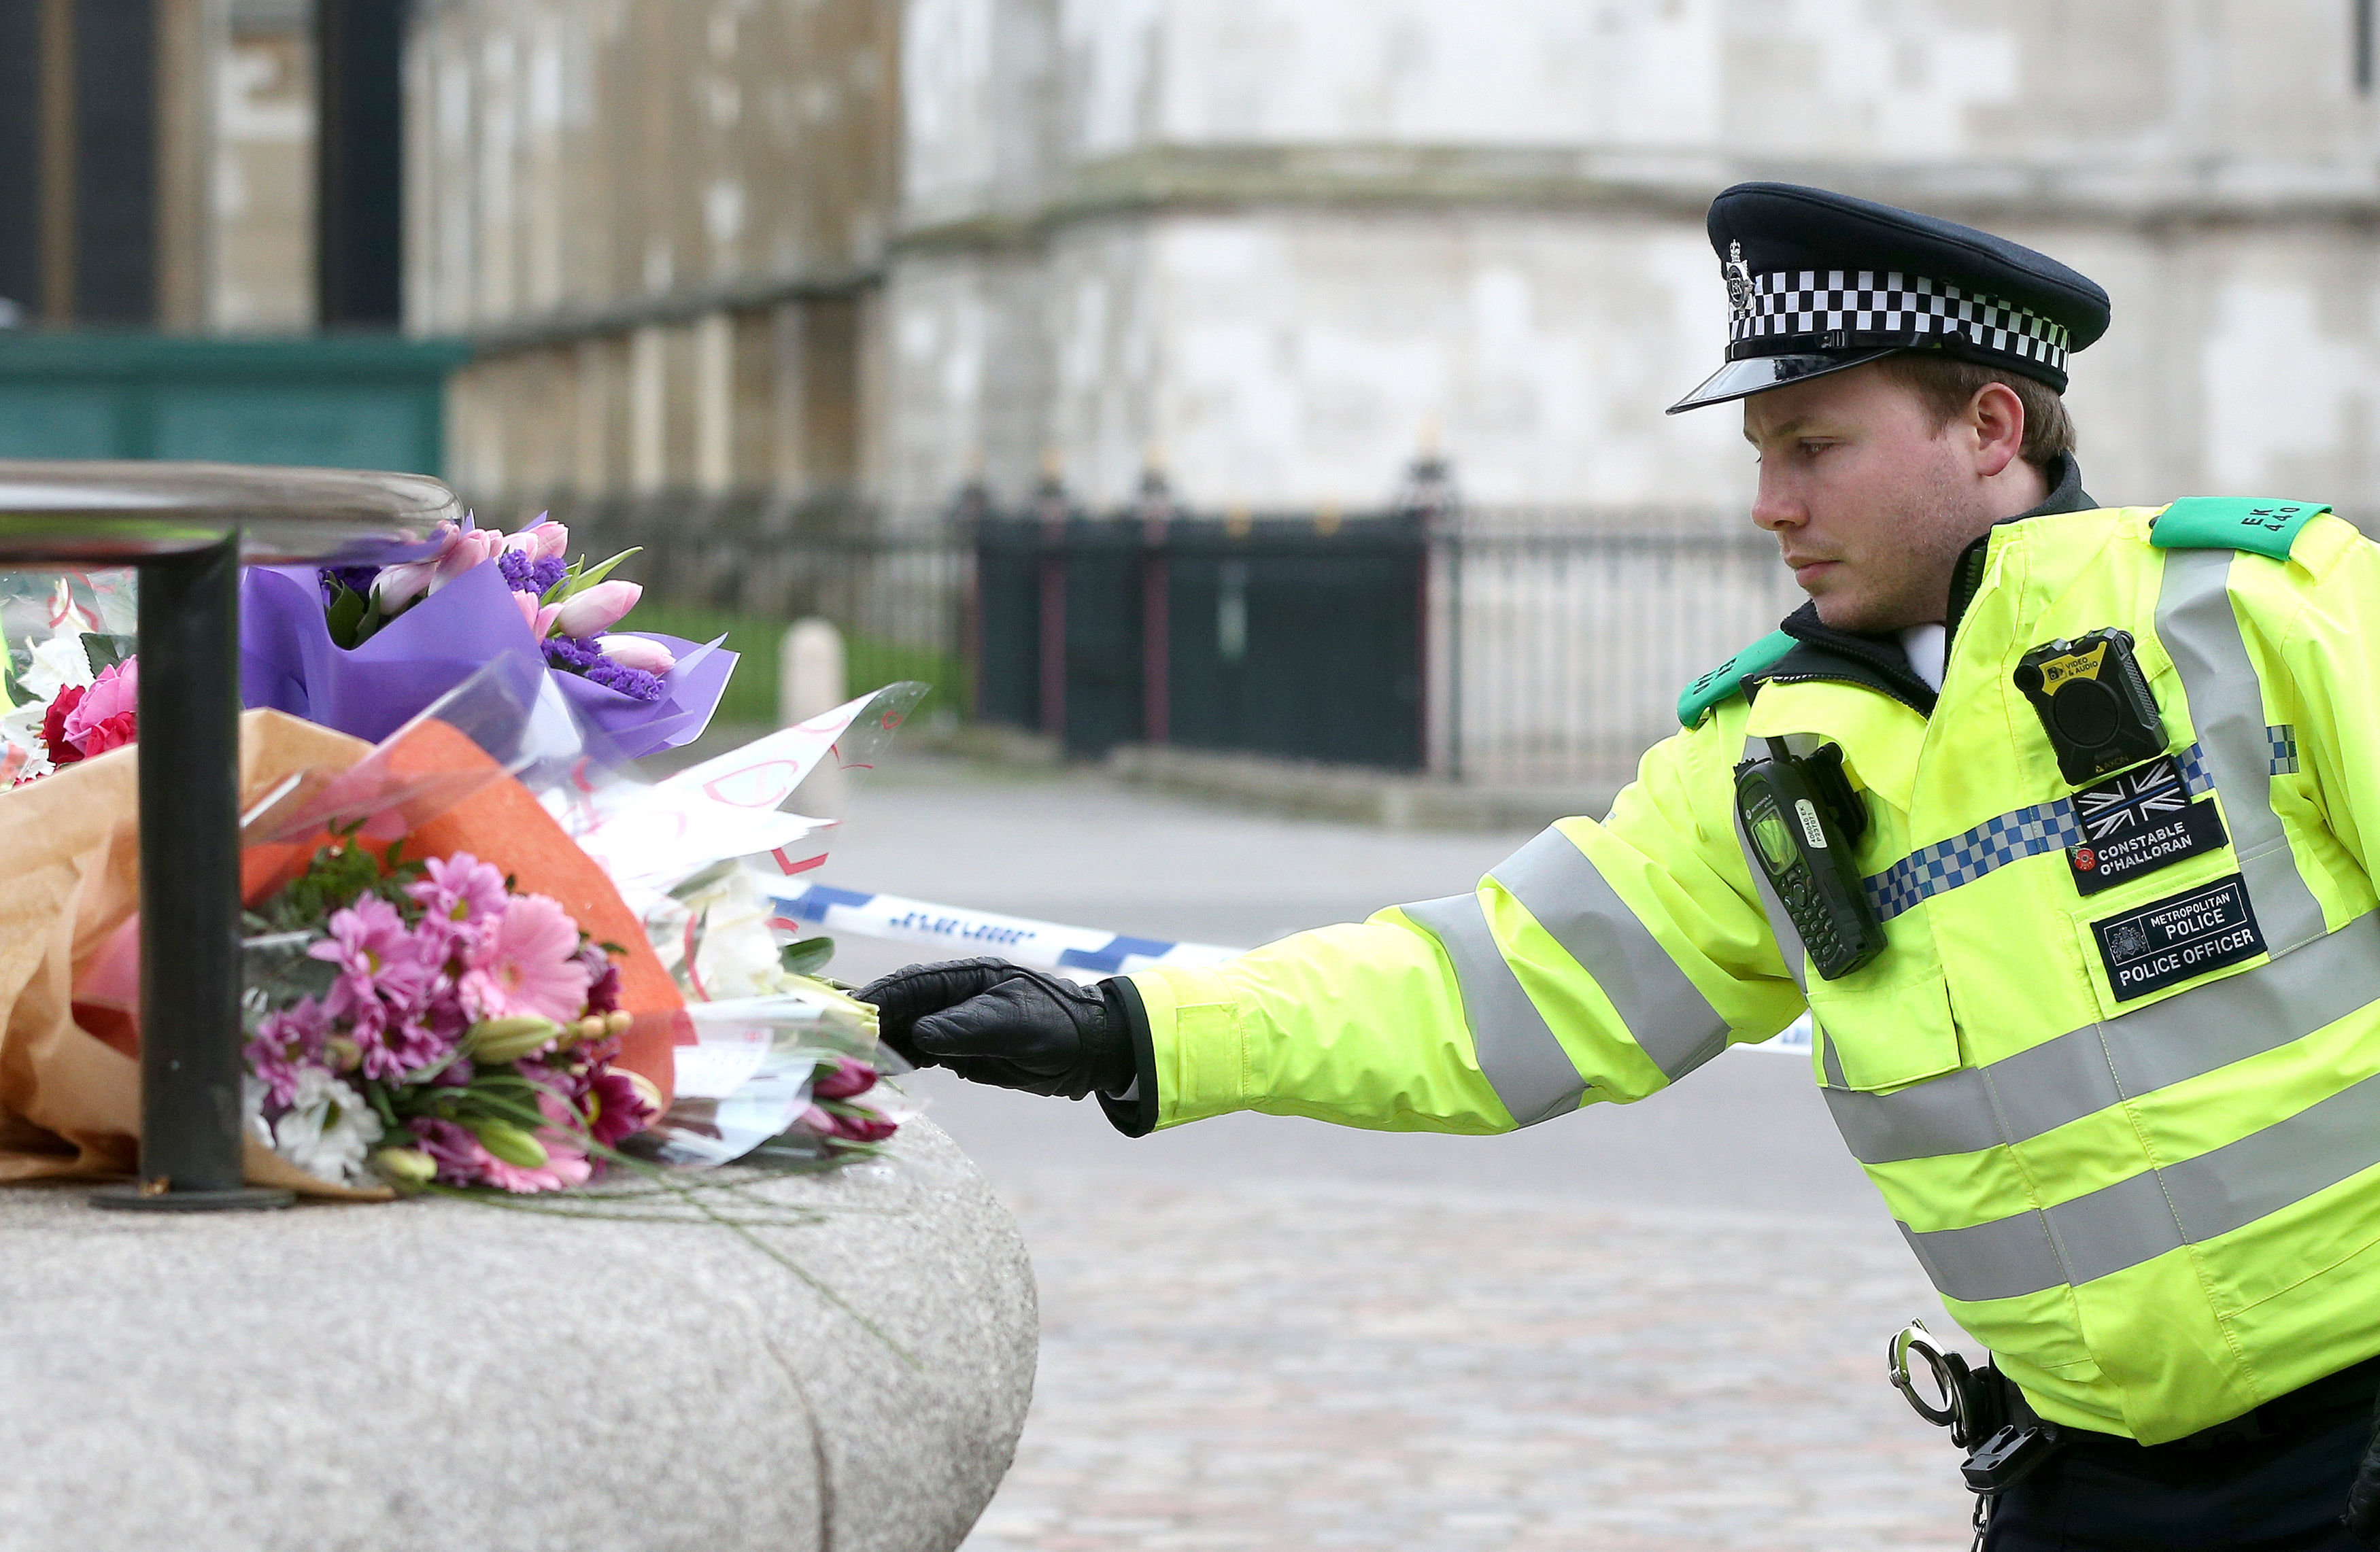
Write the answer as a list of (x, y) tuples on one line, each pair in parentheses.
[(995, 1023)]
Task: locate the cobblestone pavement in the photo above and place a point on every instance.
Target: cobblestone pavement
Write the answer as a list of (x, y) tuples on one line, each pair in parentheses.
[(1652, 1327), (1264, 1366)]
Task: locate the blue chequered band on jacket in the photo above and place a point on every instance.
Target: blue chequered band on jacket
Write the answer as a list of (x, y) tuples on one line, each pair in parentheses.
[(2284, 749), (2003, 839)]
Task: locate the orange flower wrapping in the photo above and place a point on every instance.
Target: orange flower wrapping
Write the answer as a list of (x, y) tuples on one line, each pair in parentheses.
[(502, 824), (458, 799)]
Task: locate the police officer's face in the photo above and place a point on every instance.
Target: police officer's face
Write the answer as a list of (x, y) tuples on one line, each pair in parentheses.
[(1870, 500)]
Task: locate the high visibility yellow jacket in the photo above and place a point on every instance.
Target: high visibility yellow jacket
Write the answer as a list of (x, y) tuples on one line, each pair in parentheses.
[(2133, 1135)]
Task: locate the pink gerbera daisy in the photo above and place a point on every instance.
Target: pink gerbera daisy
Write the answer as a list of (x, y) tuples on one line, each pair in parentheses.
[(376, 956), (528, 964), (460, 889)]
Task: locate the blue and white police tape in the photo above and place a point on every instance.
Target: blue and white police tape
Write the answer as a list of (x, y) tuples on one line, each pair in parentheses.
[(1082, 951), (1043, 945)]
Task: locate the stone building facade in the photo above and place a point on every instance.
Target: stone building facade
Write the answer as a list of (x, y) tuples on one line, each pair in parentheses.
[(1275, 247), (663, 222)]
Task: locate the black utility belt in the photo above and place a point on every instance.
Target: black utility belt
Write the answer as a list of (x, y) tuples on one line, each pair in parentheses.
[(2005, 1440)]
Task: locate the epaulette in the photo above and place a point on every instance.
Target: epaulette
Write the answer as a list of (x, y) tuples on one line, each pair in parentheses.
[(2269, 527), (1729, 677)]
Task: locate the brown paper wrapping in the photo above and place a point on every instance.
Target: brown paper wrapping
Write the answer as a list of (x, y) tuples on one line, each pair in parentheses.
[(70, 876)]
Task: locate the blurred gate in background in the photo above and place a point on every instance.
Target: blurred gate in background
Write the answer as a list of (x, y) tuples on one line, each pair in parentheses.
[(1278, 636)]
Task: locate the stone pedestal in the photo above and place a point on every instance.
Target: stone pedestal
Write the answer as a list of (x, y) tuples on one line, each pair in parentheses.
[(442, 1374)]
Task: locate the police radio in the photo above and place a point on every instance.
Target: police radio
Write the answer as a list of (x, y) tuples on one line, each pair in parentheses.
[(2093, 702), (1802, 818)]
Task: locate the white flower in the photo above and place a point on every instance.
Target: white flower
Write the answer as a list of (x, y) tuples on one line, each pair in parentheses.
[(251, 1108), (57, 663), (736, 953), (329, 1130)]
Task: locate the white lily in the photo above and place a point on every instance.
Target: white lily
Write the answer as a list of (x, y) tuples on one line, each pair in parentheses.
[(57, 663)]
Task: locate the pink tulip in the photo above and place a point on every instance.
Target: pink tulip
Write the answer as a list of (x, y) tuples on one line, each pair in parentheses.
[(637, 651), (458, 553), (843, 1079), (540, 616), (399, 585), (598, 608), (471, 549), (541, 541)]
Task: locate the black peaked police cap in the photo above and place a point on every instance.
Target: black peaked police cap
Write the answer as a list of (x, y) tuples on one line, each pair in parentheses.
[(1817, 282)]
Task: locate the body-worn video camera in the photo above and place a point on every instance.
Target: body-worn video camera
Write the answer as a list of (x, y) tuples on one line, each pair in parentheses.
[(1803, 819), (2093, 702)]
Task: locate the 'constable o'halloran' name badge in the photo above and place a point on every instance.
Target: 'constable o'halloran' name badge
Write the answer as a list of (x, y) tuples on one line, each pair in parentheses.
[(2138, 821), (2183, 935)]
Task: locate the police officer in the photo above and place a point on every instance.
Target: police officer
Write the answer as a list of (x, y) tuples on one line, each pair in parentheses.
[(2060, 820)]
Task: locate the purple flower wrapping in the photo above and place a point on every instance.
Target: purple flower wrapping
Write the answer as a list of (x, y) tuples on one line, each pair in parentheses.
[(288, 662)]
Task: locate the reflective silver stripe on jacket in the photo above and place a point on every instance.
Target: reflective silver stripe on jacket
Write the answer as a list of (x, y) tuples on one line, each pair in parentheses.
[(1672, 1021), (2195, 620), (1522, 1061), (2158, 1210), (2083, 1071)]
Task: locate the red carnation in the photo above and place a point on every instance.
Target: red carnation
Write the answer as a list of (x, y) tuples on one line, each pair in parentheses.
[(114, 732), (53, 725)]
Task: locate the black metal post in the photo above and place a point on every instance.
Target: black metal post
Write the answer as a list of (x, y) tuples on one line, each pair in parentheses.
[(190, 889)]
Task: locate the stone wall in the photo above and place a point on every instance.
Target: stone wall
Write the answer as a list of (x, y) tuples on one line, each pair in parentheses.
[(1278, 246)]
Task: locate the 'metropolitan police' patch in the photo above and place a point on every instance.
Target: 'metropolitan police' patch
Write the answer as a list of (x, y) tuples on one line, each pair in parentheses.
[(2183, 935)]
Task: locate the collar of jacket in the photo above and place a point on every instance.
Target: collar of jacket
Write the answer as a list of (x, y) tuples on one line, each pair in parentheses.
[(1879, 662)]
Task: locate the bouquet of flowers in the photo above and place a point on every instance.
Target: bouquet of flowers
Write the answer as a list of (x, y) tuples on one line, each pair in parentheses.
[(75, 692), (411, 1022), (435, 1021), (363, 648)]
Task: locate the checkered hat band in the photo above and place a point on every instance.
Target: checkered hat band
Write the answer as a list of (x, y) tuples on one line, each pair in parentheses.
[(1962, 859), (1795, 304)]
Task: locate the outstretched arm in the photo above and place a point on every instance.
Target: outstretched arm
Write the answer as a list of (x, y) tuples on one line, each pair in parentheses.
[(1599, 962)]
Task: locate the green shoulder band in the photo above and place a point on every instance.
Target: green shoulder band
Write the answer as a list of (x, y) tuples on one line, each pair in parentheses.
[(1728, 677), (2269, 527)]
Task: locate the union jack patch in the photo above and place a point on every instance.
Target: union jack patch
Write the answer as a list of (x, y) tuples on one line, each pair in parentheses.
[(2131, 801)]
